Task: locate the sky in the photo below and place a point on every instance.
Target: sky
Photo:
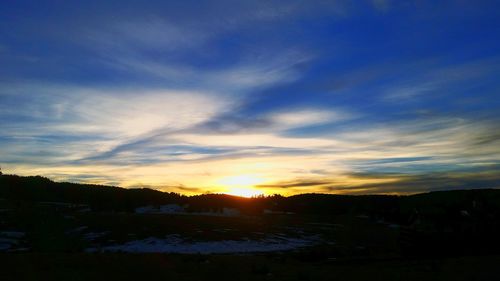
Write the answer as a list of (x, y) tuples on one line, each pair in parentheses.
[(253, 97)]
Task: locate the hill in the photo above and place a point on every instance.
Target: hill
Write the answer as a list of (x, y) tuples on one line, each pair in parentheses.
[(112, 198)]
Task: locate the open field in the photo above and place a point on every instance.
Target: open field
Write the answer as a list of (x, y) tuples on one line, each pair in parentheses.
[(124, 267), (348, 247), (74, 235), (58, 228)]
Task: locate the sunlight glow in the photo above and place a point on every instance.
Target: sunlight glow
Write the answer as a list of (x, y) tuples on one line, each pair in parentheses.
[(240, 181), (241, 185), (244, 192)]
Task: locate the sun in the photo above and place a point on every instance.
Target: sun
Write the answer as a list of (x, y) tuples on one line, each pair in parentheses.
[(241, 185)]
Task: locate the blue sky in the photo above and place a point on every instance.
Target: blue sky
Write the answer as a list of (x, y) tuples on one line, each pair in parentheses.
[(275, 96)]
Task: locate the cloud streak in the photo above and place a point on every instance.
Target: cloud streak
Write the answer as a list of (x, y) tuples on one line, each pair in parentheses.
[(306, 96)]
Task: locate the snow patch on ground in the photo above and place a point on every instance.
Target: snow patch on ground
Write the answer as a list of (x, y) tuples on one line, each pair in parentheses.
[(95, 235), (7, 243), (175, 244), (4, 246), (13, 234), (10, 239), (77, 230)]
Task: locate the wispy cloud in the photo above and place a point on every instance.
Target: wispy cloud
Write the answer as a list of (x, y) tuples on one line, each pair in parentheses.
[(307, 117), (387, 183), (441, 80), (308, 96)]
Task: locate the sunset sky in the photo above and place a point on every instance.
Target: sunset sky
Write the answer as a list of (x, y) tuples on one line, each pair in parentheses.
[(250, 97)]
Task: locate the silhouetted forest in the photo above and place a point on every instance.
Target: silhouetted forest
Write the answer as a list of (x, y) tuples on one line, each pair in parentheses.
[(448, 204), (111, 198), (445, 222)]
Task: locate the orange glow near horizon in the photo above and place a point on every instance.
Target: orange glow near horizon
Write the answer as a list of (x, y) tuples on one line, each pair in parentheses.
[(236, 177), (241, 185), (244, 192)]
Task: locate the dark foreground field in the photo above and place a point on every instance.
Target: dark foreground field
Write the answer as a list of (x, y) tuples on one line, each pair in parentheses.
[(52, 231), (61, 266)]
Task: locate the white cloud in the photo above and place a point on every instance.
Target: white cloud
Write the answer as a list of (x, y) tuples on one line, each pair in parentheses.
[(240, 77), (305, 117), (436, 81), (65, 123), (249, 140), (142, 111)]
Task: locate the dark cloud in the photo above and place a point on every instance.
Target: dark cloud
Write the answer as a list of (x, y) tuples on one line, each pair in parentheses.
[(182, 189), (297, 183), (233, 124), (487, 176), (426, 183)]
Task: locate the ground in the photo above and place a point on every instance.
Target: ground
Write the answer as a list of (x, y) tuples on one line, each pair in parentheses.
[(77, 266), (52, 241)]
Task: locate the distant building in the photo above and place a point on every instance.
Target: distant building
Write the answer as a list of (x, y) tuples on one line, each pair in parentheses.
[(272, 212), (231, 212), (171, 208), (181, 210), (162, 209)]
